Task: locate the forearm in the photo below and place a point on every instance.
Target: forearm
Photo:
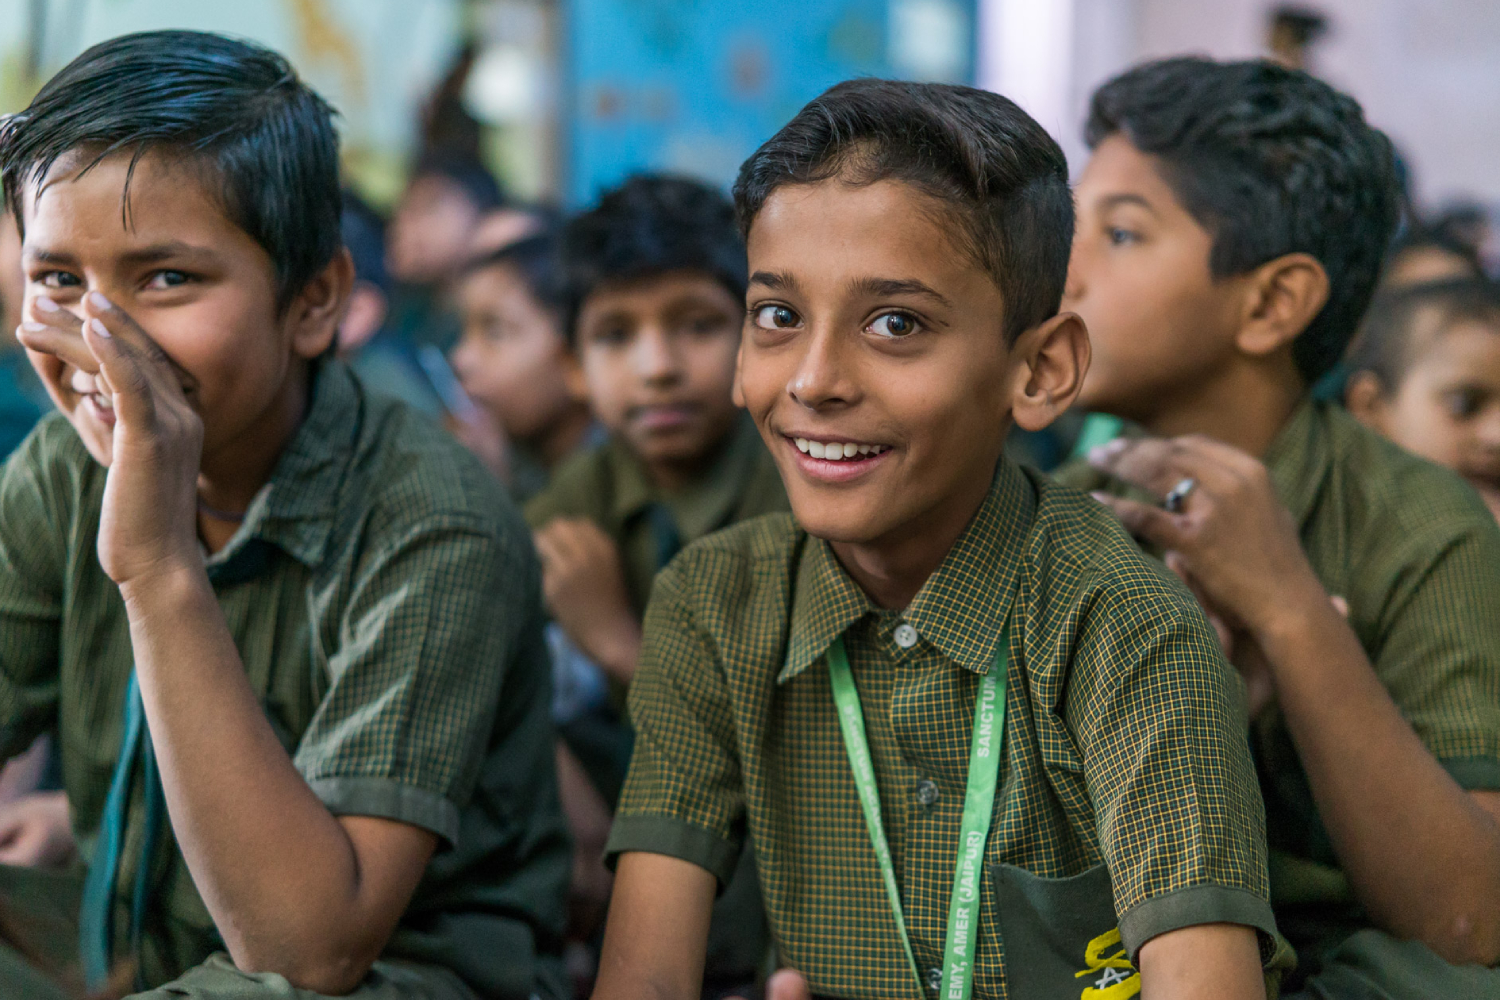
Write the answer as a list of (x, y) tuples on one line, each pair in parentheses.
[(620, 651), (1422, 855), (276, 870), (1206, 960), (657, 935)]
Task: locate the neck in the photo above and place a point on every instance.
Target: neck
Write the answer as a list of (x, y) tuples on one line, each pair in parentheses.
[(235, 471), (1246, 407), (563, 437), (893, 568)]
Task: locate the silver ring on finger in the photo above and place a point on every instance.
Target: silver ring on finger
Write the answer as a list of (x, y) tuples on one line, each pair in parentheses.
[(1177, 496)]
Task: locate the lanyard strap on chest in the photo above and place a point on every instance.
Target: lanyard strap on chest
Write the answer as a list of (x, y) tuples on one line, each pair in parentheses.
[(979, 800)]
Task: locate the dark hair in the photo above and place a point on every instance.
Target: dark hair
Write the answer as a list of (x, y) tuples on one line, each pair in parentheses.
[(233, 108), (1384, 346), (1423, 237), (1270, 161), (534, 260), (1001, 174), (467, 174), (363, 232), (649, 226)]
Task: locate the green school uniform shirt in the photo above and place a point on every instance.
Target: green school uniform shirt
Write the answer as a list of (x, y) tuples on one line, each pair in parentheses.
[(385, 600), (1417, 555), (609, 486), (1127, 798)]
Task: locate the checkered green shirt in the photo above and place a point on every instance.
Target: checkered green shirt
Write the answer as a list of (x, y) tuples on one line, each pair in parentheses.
[(1125, 756), (608, 485), (1417, 555), (384, 598)]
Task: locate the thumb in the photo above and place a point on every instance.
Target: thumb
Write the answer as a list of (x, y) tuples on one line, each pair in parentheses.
[(1340, 605), (787, 984)]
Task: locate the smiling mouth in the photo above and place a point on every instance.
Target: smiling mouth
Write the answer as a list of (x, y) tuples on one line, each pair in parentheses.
[(838, 451)]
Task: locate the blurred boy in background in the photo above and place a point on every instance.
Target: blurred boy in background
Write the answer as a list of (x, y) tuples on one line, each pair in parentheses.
[(1425, 372), (654, 284), (513, 360), (1232, 224), (22, 398)]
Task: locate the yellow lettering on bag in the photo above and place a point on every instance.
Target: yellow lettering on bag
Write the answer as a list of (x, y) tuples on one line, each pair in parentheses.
[(1114, 977)]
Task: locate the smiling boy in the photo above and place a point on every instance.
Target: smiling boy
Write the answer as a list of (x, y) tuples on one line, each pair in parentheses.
[(1232, 223), (936, 648), (289, 634)]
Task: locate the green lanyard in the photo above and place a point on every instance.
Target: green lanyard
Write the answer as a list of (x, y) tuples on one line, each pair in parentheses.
[(979, 801)]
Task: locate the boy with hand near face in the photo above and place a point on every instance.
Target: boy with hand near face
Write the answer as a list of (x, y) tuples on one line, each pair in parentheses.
[(957, 712), (290, 635), (1232, 222)]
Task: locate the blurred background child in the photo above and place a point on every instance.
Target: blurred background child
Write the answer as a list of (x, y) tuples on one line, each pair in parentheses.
[(513, 360), (1425, 372)]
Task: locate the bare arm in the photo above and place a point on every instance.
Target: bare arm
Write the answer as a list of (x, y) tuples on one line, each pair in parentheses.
[(584, 583), (1422, 855), (657, 935), (1209, 960), (291, 888)]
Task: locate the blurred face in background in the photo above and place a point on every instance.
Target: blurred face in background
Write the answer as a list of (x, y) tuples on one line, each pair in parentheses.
[(513, 359), (658, 358), (1447, 405), (432, 231), (12, 281)]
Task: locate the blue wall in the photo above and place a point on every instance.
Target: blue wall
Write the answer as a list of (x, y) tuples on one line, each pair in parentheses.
[(693, 86)]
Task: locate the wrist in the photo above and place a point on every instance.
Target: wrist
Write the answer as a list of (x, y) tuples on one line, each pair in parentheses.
[(169, 582), (1302, 608)]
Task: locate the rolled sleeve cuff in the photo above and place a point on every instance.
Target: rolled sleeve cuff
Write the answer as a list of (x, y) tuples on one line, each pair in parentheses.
[(675, 838), (1198, 904), (389, 799), (1474, 774)]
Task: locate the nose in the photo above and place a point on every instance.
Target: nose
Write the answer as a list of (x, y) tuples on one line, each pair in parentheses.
[(1487, 429), (460, 359), (656, 355), (821, 378)]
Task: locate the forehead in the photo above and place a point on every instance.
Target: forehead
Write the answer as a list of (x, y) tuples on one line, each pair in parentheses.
[(109, 205), (1117, 170), (658, 292), (834, 230)]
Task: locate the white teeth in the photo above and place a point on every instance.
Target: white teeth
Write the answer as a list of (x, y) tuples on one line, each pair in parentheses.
[(836, 451)]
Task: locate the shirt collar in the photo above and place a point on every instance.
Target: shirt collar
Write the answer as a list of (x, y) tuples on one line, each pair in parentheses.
[(1299, 459), (295, 509), (961, 609), (704, 505)]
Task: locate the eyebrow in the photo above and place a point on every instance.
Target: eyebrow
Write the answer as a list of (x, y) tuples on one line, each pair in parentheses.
[(156, 253), (883, 287), (1110, 201), (779, 281)]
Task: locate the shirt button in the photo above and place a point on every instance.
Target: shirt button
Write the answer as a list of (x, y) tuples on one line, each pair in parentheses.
[(927, 791), (906, 636), (934, 979)]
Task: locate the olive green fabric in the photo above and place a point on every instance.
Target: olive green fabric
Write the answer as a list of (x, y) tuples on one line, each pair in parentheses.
[(1124, 741), (1417, 556), (384, 598), (609, 486)]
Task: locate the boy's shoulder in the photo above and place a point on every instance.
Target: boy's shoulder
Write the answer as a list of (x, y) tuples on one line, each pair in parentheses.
[(582, 486)]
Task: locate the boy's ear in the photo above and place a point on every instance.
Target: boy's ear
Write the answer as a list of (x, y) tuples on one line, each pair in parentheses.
[(737, 395), (1283, 297), (317, 311), (1055, 357), (1365, 399)]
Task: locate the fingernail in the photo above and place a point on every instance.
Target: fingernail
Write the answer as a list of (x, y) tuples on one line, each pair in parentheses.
[(98, 301), (97, 326), (45, 304), (31, 326), (1101, 496)]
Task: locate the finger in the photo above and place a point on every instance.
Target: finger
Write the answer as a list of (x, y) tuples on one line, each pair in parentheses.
[(787, 984), (64, 344), (1142, 520), (1147, 463), (44, 309), (114, 323), (1203, 447), (1340, 605), (133, 386)]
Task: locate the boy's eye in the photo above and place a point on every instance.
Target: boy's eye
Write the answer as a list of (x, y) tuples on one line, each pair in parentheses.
[(60, 279), (894, 324), (168, 279), (610, 335), (775, 318), (1119, 237), (1462, 404)]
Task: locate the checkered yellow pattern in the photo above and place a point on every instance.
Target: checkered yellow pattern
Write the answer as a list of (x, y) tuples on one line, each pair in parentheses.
[(1124, 740)]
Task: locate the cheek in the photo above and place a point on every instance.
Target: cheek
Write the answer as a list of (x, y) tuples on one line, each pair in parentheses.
[(711, 363)]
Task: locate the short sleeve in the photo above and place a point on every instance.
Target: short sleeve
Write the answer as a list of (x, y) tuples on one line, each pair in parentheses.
[(434, 617), (683, 796), (36, 496), (1159, 718), (1433, 632)]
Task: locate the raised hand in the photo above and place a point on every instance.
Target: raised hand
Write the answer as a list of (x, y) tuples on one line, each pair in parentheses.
[(149, 520)]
